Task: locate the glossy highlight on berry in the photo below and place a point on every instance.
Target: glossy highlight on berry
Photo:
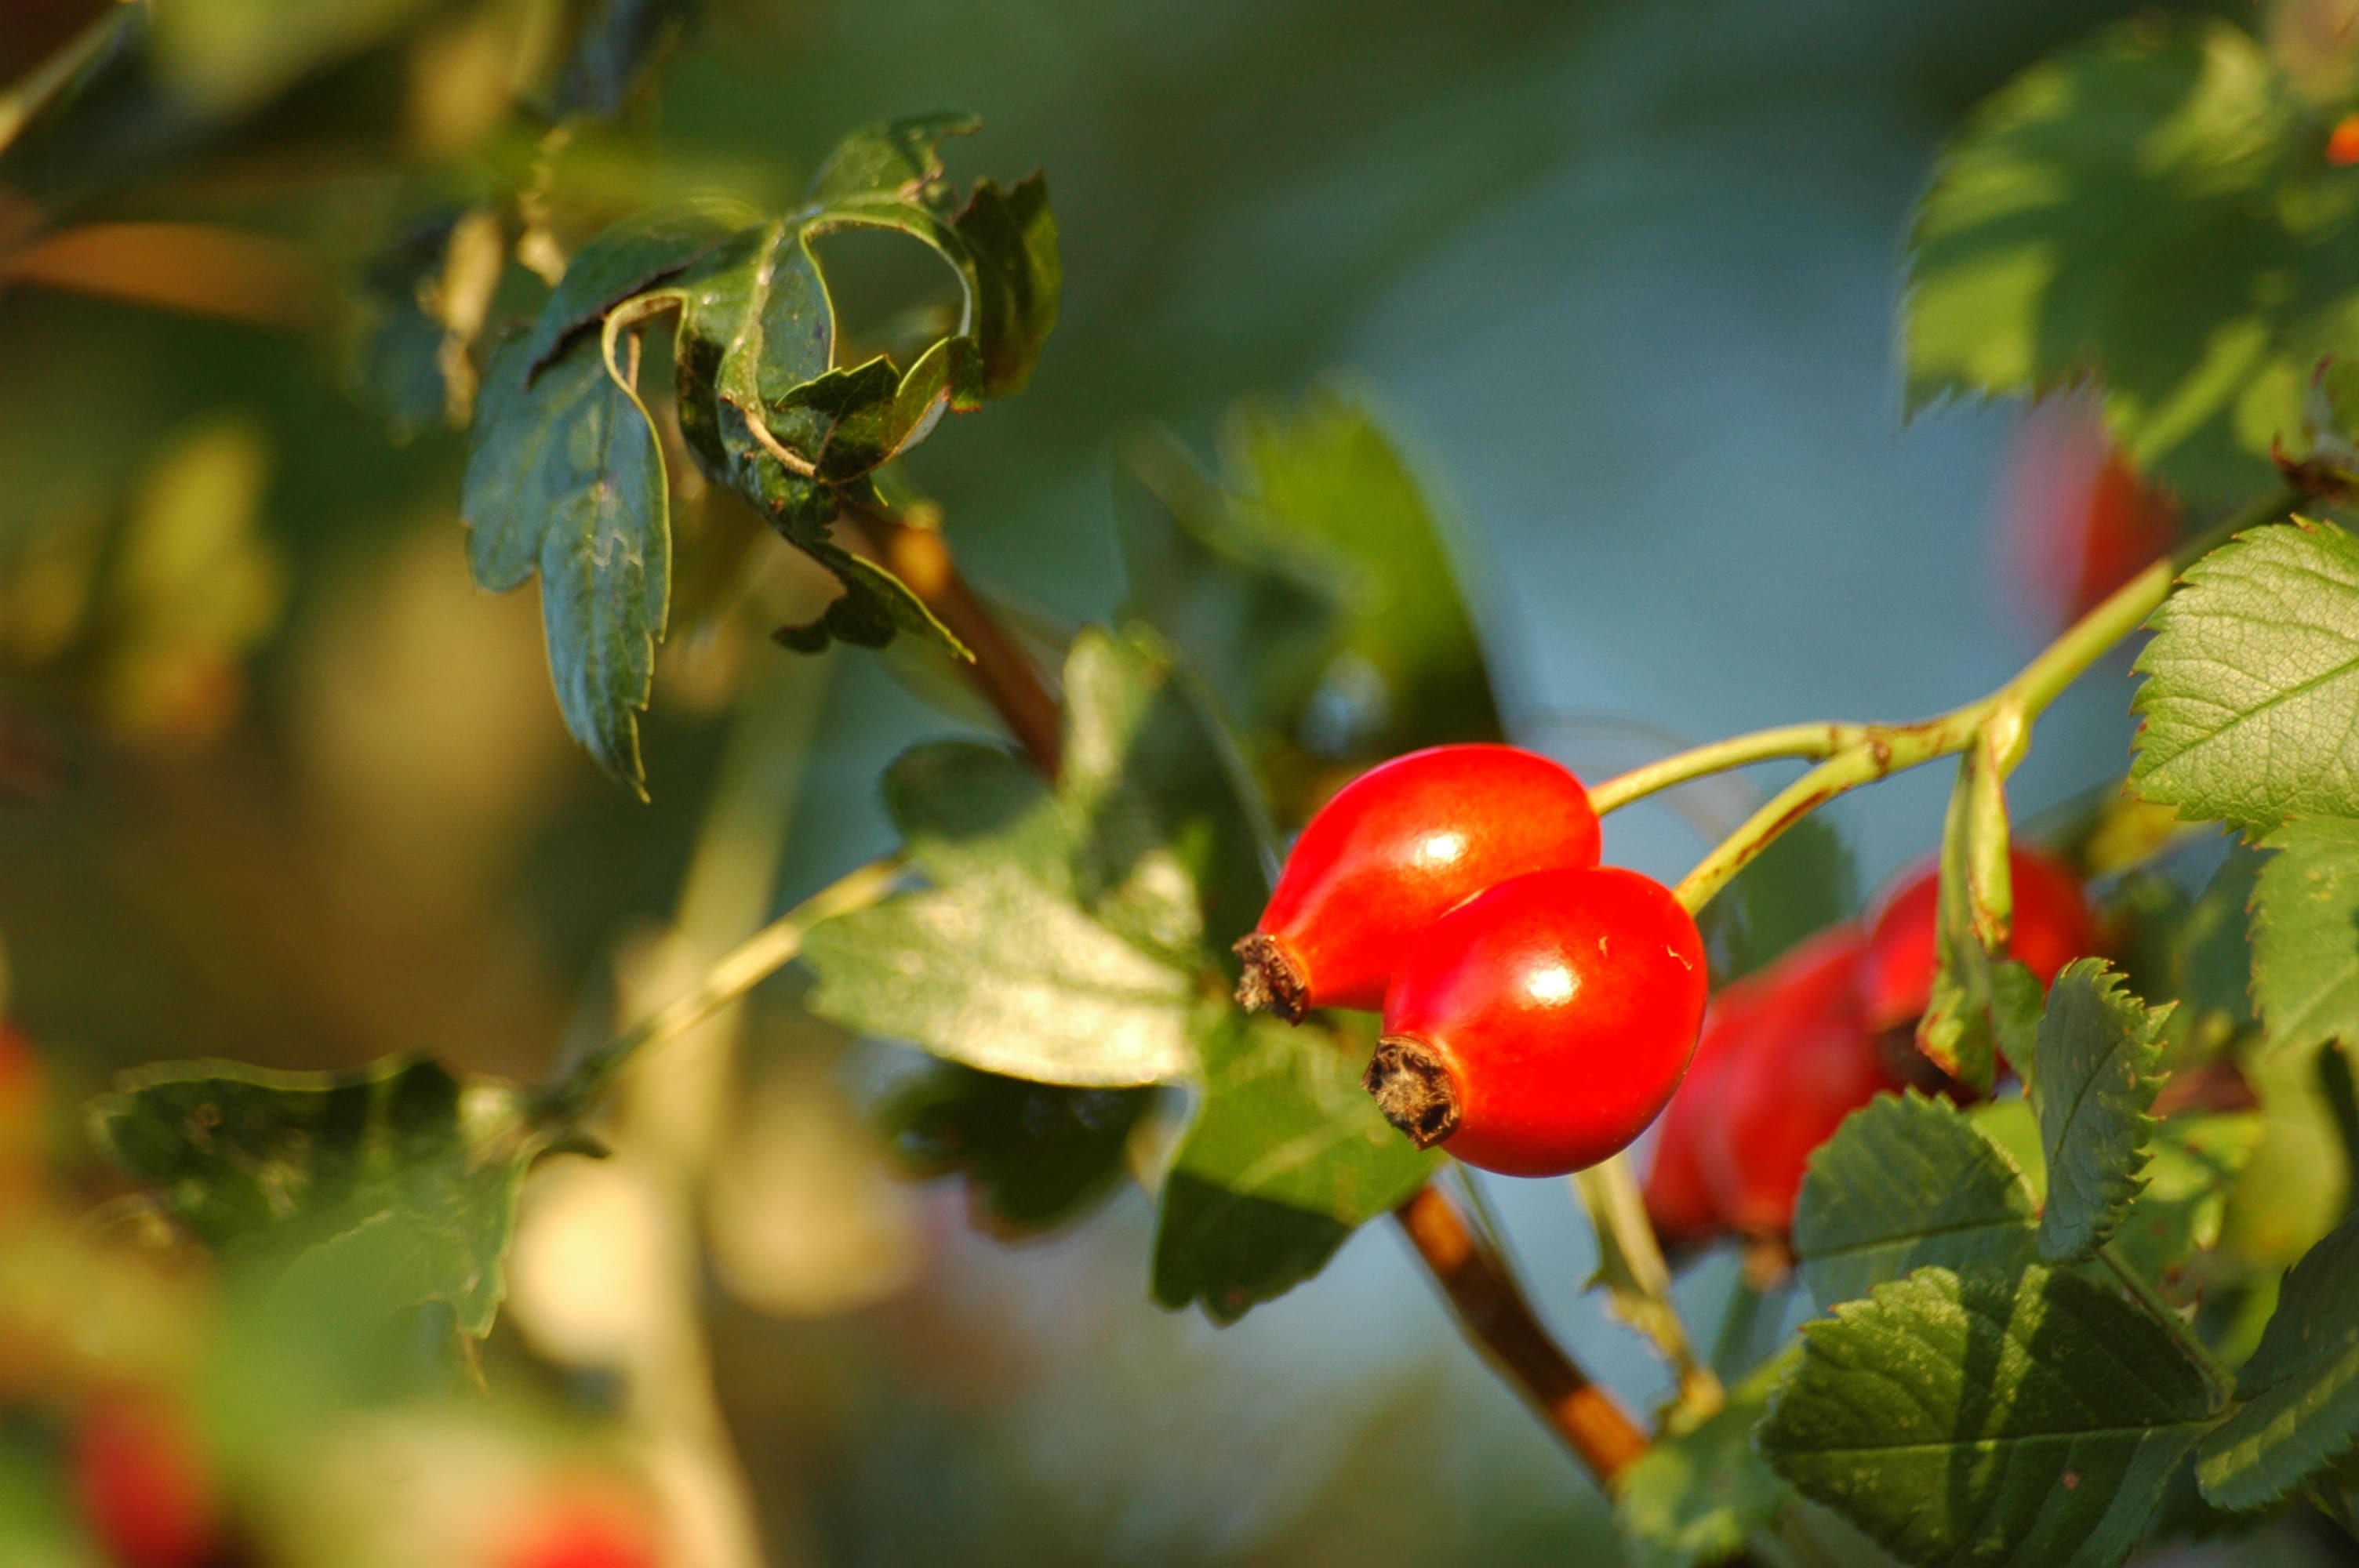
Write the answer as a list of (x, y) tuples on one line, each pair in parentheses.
[(1396, 849), (1538, 1028)]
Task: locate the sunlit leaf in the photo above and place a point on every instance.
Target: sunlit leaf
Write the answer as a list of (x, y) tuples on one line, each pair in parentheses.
[(2306, 934), (2252, 687), (901, 159), (2141, 208), (624, 259)]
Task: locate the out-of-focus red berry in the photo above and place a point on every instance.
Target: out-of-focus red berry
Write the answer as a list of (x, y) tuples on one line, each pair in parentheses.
[(1679, 1199), (142, 1484), (1803, 1060), (2079, 520), (2342, 142), (581, 1528), (2052, 926)]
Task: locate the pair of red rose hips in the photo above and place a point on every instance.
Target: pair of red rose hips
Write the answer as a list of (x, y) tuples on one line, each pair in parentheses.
[(1539, 1009), (1791, 1052)]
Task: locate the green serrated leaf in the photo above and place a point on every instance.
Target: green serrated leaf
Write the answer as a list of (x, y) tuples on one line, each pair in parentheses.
[(1988, 1417), (627, 258), (2306, 934), (1173, 848), (567, 480), (2142, 208), (901, 159), (1310, 581), (2091, 1080), (251, 1160), (1286, 1157), (1909, 1181), (1698, 1495), (1033, 1156), (2252, 687), (2299, 1392), (1068, 932)]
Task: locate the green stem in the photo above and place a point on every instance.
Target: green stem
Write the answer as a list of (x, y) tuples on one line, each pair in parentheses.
[(1818, 740), (2223, 1381), (1631, 1262), (2001, 722), (746, 965)]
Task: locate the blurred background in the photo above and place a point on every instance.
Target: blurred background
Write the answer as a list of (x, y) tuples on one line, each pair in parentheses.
[(277, 783)]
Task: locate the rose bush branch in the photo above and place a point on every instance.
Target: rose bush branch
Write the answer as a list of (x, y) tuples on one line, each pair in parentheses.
[(1856, 754)]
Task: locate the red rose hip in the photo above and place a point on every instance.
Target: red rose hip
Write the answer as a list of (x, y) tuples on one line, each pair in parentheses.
[(2051, 927), (1396, 848), (1802, 1060), (1538, 1028)]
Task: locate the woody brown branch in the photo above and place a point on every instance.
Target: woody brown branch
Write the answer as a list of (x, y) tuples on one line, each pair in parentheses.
[(1481, 1292)]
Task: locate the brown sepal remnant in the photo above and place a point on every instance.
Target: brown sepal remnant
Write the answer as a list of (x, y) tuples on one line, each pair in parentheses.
[(1412, 1088), (1272, 982)]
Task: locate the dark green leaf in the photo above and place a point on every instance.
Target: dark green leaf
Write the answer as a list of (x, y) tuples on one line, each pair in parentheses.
[(1312, 582), (2306, 934), (1011, 241), (1286, 1157), (1804, 882), (1990, 1417), (1067, 933), (2092, 1080), (1033, 1156), (1172, 845), (1903, 1183), (2143, 208), (1699, 1494), (256, 1160), (394, 358), (624, 259), (567, 480), (2301, 1390), (901, 159), (2252, 688), (754, 324)]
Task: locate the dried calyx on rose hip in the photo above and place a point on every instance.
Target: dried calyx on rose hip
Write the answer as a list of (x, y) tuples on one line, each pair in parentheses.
[(1396, 849), (1536, 1030)]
